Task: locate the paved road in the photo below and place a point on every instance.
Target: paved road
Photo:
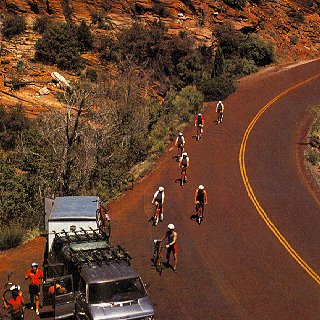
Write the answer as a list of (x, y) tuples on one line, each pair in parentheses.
[(234, 265)]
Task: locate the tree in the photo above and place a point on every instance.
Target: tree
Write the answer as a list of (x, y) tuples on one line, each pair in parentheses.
[(84, 37), (13, 25), (59, 45), (218, 63)]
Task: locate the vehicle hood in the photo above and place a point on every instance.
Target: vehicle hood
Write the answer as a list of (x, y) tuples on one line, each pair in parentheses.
[(132, 309)]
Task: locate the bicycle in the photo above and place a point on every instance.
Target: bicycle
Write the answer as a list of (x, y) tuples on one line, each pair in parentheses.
[(220, 116), (180, 152), (156, 258), (199, 214), (103, 220), (199, 131), (183, 175), (157, 213), (8, 288)]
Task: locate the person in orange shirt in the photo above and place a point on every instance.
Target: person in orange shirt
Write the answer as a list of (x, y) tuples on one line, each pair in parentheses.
[(36, 277), (15, 305)]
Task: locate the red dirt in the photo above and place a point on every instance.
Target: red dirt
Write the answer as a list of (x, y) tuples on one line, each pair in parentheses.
[(232, 266)]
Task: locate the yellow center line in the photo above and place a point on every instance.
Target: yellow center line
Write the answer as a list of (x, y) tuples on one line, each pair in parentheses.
[(250, 191)]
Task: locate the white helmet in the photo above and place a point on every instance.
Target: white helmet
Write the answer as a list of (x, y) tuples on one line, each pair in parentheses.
[(199, 114), (201, 187), (34, 264), (161, 189), (171, 226), (184, 154), (15, 287), (220, 102), (180, 134)]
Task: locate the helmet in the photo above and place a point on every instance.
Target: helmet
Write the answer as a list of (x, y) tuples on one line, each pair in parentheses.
[(220, 102), (161, 189), (201, 187), (184, 154), (15, 287), (199, 114), (171, 226), (180, 134), (34, 264)]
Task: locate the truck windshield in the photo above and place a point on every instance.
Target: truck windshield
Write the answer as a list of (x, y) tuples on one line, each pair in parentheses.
[(116, 291)]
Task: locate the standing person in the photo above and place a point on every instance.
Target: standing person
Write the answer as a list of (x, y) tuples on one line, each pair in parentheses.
[(219, 111), (172, 237), (180, 142), (200, 198), (158, 198), (199, 123), (15, 305), (36, 277)]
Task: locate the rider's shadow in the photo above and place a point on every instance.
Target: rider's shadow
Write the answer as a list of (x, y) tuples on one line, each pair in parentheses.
[(193, 217), (176, 157)]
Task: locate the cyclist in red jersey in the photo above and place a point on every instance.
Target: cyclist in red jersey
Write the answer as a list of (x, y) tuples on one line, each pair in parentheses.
[(15, 305), (199, 123), (35, 276)]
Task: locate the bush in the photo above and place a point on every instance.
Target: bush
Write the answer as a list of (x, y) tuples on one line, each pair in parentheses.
[(84, 37), (59, 46), (313, 157), (218, 88), (13, 25), (11, 237), (160, 9), (228, 38), (294, 39), (41, 24), (240, 67), (255, 49), (236, 4)]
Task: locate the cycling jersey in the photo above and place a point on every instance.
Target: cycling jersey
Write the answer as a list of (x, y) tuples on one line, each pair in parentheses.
[(16, 304), (200, 196), (180, 140), (35, 277), (220, 107), (199, 120), (159, 197)]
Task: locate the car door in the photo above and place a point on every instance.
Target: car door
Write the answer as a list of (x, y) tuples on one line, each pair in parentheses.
[(64, 300)]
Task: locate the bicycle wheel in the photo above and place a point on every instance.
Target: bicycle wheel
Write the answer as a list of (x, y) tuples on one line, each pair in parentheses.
[(199, 215)]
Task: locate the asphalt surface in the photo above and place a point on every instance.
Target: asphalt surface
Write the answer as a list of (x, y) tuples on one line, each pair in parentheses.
[(233, 266)]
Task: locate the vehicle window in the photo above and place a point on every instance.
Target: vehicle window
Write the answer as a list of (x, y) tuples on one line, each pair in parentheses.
[(116, 291)]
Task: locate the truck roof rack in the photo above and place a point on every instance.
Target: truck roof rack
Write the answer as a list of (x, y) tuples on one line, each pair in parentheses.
[(88, 247)]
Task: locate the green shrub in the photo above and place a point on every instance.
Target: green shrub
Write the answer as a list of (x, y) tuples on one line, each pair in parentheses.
[(253, 48), (240, 67), (160, 9), (294, 39), (236, 4), (41, 24), (313, 157), (219, 88), (11, 237), (84, 37), (228, 38), (59, 46), (13, 25)]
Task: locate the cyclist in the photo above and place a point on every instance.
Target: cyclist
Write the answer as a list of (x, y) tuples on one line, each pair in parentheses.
[(184, 164), (219, 111), (200, 198), (199, 123), (15, 304), (180, 142), (35, 275), (172, 236), (158, 198)]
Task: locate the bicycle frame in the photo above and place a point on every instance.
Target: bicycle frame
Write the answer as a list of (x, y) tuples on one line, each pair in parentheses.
[(157, 253), (157, 213), (183, 175), (199, 131), (220, 116), (199, 210), (180, 151)]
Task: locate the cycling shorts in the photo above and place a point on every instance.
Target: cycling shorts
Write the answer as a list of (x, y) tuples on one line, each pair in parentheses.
[(173, 249), (34, 289)]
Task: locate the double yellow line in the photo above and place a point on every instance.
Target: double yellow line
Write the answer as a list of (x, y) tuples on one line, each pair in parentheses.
[(250, 191)]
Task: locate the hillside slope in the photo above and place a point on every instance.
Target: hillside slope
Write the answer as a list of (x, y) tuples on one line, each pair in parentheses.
[(293, 27)]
